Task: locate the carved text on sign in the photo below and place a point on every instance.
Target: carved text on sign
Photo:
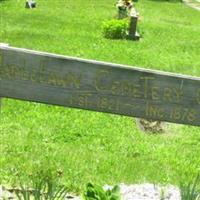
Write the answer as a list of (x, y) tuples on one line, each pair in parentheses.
[(98, 86)]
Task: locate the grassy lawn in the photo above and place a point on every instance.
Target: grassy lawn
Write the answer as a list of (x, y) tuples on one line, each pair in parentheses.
[(86, 146)]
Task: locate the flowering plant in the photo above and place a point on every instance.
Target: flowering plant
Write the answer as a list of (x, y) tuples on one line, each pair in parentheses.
[(123, 7)]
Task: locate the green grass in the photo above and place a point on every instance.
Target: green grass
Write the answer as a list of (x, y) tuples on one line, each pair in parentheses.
[(86, 146)]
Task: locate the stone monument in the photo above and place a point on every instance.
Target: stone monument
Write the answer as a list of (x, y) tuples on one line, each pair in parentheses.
[(30, 4)]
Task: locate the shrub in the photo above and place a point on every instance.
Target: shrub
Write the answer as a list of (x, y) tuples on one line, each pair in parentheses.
[(115, 29)]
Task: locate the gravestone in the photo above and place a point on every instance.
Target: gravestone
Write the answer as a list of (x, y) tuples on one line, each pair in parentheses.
[(133, 34), (123, 7), (126, 9), (122, 13), (30, 4), (99, 86)]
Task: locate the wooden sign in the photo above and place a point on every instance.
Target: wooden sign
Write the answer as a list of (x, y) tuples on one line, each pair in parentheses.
[(99, 86)]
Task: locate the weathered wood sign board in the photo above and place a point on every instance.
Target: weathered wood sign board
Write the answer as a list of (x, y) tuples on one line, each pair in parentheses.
[(99, 86)]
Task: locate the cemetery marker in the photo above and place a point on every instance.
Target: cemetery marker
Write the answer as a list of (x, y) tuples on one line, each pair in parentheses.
[(133, 34), (30, 4), (99, 86)]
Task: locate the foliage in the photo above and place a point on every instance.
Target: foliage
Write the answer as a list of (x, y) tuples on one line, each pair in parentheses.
[(95, 192), (123, 7), (43, 191), (115, 29), (88, 145), (191, 191), (42, 187)]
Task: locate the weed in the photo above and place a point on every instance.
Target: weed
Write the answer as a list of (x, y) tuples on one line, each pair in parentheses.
[(42, 189), (191, 191)]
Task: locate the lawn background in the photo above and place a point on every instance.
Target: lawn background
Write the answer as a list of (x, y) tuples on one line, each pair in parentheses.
[(87, 146)]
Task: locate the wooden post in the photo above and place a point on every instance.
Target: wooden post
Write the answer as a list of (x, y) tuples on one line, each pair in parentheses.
[(1, 63)]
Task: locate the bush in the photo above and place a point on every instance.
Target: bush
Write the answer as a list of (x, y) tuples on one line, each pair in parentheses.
[(115, 29)]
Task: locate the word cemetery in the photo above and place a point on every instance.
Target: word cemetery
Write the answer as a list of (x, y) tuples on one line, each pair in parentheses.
[(99, 86)]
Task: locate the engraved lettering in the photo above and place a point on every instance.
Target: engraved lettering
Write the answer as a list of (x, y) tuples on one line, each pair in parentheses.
[(107, 103), (102, 103), (157, 96), (52, 79), (155, 93), (56, 80), (178, 94), (146, 85), (99, 80), (184, 114), (176, 114), (75, 80), (125, 88), (198, 96), (83, 100), (192, 115), (154, 111), (115, 86), (168, 94), (136, 91)]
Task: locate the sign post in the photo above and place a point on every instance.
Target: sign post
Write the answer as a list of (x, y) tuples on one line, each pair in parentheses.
[(1, 61)]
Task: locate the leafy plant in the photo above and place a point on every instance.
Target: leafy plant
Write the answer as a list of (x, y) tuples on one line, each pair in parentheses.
[(95, 192), (42, 186), (115, 29), (43, 191), (162, 194), (191, 191)]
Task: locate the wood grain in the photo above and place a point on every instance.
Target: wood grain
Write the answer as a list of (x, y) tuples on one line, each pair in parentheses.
[(99, 86)]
